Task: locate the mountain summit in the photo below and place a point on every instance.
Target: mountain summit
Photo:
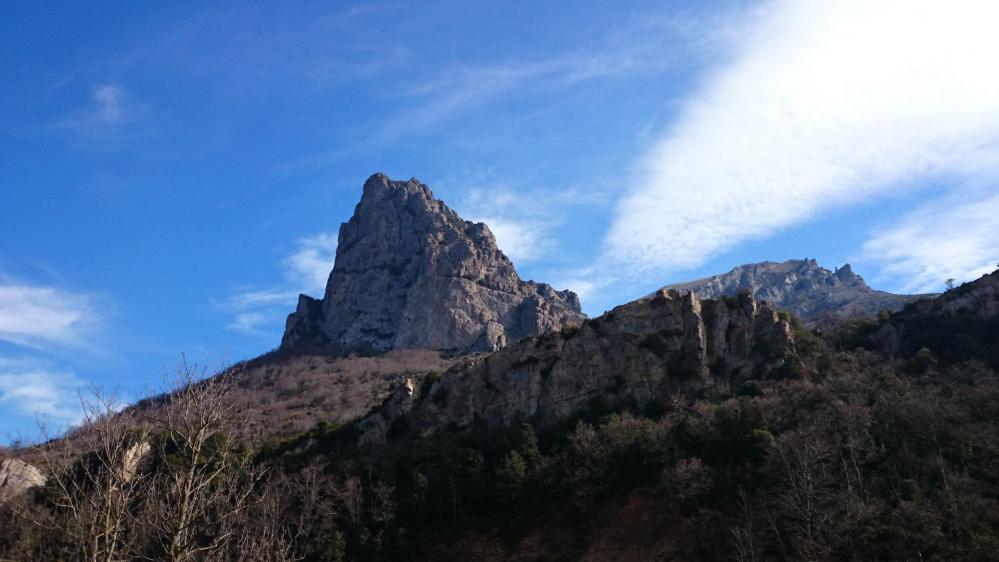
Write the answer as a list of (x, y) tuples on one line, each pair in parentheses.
[(412, 274), (803, 287)]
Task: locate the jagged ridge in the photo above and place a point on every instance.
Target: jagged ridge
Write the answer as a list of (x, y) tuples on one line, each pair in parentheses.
[(804, 288)]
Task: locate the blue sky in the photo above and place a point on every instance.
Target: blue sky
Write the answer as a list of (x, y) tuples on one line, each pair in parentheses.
[(172, 175)]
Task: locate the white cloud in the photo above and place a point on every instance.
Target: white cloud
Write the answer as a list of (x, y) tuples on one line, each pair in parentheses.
[(37, 316), (583, 283), (820, 105), (523, 221), (613, 54), (309, 266), (459, 89), (521, 240), (249, 322), (522, 228), (111, 117), (939, 241), (253, 310), (255, 299), (35, 388), (110, 104), (306, 270)]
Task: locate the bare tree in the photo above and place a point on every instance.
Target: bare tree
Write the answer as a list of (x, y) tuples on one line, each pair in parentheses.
[(205, 480), (268, 532), (291, 522), (744, 532), (350, 495), (94, 482), (808, 494)]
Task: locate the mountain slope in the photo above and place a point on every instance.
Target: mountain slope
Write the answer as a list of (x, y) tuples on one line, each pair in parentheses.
[(672, 427), (960, 324), (639, 353), (411, 274), (810, 291)]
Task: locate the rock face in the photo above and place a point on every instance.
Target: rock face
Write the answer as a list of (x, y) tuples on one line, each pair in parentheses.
[(636, 353), (411, 274), (131, 459), (810, 291), (978, 299), (959, 324), (17, 477)]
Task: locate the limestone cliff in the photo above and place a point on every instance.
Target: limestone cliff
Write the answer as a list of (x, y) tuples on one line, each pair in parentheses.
[(637, 353), (411, 274)]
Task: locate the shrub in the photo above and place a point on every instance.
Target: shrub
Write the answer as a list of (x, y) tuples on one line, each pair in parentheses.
[(428, 382), (511, 476), (921, 362), (527, 446), (569, 330)]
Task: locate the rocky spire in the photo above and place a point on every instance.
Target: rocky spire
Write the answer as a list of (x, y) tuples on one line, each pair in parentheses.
[(411, 273)]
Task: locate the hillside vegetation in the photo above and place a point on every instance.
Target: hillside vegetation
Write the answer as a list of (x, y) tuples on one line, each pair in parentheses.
[(877, 440)]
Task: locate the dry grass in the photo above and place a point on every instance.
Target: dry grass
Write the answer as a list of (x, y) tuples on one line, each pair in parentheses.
[(285, 395), (282, 395)]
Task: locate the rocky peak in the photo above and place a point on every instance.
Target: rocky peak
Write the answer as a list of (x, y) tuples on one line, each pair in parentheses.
[(410, 273), (846, 275), (802, 287)]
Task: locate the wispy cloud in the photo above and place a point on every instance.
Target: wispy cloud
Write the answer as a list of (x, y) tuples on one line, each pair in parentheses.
[(586, 282), (523, 240), (257, 299), (111, 116), (252, 322), (819, 106), (524, 229), (462, 88), (945, 239), (35, 388), (39, 316), (253, 310), (306, 269), (110, 107), (424, 99), (523, 232)]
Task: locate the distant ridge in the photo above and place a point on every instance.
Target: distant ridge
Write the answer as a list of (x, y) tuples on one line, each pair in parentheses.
[(803, 287)]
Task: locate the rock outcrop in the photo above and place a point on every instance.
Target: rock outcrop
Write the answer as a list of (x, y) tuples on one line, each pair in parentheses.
[(17, 477), (411, 274), (131, 460), (978, 299), (637, 353), (960, 324), (810, 291)]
